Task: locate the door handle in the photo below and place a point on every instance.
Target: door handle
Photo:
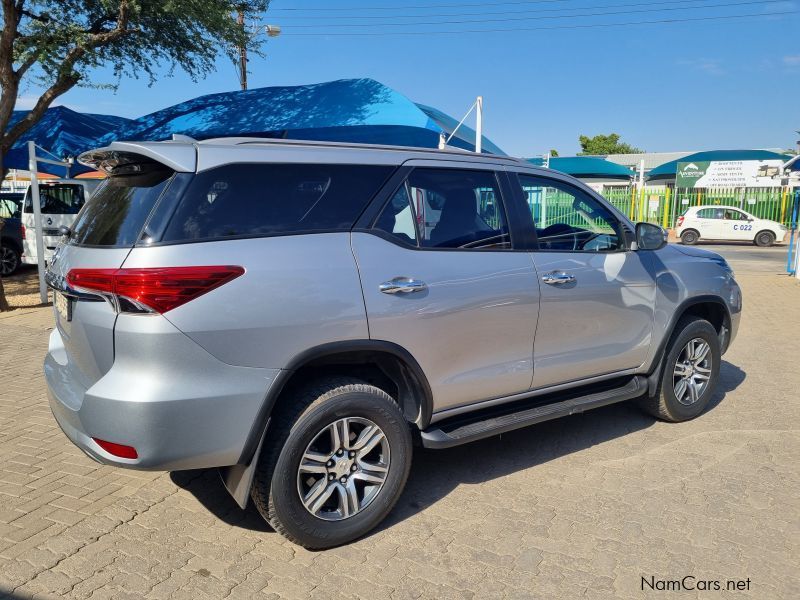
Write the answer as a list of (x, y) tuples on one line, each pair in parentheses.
[(402, 285), (558, 278)]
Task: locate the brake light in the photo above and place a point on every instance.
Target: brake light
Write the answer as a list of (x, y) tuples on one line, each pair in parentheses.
[(680, 221), (23, 231), (159, 289), (119, 450)]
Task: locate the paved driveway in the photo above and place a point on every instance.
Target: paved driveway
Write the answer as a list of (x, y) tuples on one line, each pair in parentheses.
[(586, 506)]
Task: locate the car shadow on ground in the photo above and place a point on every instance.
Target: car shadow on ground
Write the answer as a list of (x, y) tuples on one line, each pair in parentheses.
[(436, 473)]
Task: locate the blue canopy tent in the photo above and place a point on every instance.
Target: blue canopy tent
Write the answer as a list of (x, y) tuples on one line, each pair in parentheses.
[(62, 132), (668, 170), (586, 167), (348, 110)]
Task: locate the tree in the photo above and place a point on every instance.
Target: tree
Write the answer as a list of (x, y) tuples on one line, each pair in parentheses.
[(55, 45), (3, 302), (605, 144), (553, 153)]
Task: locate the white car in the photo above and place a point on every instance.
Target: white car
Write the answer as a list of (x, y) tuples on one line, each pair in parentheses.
[(726, 223)]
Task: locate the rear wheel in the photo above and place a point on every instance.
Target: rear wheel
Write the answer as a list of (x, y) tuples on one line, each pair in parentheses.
[(338, 459), (690, 237), (9, 260), (764, 238), (690, 372)]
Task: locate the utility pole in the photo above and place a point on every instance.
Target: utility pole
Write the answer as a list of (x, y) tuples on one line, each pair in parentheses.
[(242, 53)]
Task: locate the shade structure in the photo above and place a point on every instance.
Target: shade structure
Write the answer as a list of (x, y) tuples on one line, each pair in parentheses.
[(586, 167), (62, 132), (347, 110), (668, 170)]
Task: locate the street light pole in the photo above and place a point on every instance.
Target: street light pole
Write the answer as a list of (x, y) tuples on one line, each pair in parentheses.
[(242, 54)]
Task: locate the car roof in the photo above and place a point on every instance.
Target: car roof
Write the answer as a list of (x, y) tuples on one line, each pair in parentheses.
[(717, 206), (187, 155)]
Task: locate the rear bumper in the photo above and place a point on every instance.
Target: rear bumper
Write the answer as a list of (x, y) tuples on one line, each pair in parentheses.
[(177, 405)]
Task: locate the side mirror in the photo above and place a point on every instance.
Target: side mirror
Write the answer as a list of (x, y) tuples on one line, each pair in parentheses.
[(64, 231), (650, 237)]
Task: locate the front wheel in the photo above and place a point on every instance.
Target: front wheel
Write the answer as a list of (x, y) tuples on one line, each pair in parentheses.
[(690, 372), (764, 239), (337, 460)]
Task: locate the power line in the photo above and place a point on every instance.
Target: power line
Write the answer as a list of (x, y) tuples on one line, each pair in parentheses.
[(577, 26), (479, 14), (548, 17), (422, 7)]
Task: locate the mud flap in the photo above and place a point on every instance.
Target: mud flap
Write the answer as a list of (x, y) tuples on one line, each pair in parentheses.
[(238, 479)]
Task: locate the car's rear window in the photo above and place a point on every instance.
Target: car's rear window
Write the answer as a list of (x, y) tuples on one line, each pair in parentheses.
[(57, 199), (246, 200), (116, 213)]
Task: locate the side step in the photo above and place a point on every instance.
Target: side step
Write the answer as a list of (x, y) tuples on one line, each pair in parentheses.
[(462, 430)]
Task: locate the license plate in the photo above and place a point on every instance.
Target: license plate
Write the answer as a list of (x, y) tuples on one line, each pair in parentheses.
[(63, 306)]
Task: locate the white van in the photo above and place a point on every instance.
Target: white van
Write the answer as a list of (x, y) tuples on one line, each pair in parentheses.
[(60, 199), (726, 223)]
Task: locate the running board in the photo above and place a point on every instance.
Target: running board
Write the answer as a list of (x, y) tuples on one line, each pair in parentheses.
[(470, 428)]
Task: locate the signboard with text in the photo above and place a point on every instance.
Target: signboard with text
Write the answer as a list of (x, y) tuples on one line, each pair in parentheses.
[(729, 174)]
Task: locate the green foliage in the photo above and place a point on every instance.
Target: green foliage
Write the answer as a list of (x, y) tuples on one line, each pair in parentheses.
[(605, 144), (553, 152), (134, 37)]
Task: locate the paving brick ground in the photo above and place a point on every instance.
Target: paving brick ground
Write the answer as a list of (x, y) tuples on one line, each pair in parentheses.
[(581, 507)]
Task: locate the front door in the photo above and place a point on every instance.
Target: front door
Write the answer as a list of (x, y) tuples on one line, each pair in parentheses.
[(597, 297), (441, 279), (736, 225)]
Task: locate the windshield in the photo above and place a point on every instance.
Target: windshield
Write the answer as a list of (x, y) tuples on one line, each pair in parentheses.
[(57, 199)]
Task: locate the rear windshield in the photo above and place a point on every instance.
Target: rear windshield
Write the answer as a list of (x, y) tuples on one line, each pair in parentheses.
[(116, 213), (242, 200), (57, 199)]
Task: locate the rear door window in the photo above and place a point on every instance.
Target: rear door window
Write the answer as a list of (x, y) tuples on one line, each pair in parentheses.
[(249, 200)]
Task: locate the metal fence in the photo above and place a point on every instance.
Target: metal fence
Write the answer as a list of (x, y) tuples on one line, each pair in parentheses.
[(664, 204)]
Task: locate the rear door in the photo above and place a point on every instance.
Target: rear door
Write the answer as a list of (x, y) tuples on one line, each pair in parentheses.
[(708, 221), (103, 235), (597, 297), (442, 279), (60, 204)]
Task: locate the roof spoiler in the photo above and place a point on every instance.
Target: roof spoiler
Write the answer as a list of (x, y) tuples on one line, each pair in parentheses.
[(119, 157)]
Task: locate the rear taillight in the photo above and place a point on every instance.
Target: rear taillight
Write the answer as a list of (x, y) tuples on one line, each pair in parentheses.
[(680, 221), (159, 289), (23, 231)]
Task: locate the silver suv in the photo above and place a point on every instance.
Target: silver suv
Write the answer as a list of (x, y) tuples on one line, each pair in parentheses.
[(298, 314)]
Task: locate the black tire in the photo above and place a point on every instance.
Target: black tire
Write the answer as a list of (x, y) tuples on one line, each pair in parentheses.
[(764, 239), (690, 237), (9, 260), (664, 404), (303, 415)]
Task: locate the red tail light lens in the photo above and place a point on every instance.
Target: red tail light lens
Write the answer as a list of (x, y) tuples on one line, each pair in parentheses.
[(160, 289), (23, 231), (119, 450), (680, 221)]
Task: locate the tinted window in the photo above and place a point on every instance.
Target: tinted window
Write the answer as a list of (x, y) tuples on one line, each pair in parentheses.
[(58, 199), (10, 206), (457, 209), (709, 213), (569, 219), (261, 199), (116, 213), (398, 217)]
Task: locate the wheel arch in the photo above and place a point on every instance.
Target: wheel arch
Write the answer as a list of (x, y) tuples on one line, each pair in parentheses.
[(384, 364), (709, 307)]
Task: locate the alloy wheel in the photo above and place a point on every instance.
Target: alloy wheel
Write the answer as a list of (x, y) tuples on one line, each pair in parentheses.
[(8, 261), (343, 469), (692, 371)]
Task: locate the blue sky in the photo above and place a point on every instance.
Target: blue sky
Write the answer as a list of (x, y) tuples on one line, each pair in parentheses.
[(682, 86)]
